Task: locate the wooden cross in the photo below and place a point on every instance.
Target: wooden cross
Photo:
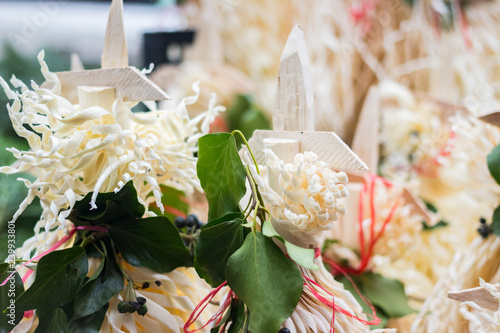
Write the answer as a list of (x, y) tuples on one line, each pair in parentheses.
[(366, 145), (100, 86), (293, 116), (478, 295)]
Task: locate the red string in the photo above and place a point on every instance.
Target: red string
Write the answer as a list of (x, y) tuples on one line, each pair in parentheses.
[(366, 250), (331, 304), (198, 310)]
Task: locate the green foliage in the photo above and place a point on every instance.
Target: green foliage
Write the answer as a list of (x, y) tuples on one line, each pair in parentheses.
[(243, 115), (303, 257), (52, 320), (219, 239), (89, 324), (493, 161), (152, 242), (58, 273), (111, 207), (221, 173), (495, 224), (387, 295), (96, 293), (266, 281)]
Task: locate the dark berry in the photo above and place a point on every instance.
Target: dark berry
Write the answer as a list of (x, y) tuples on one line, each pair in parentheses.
[(141, 300), (124, 307), (482, 220), (191, 220), (200, 224), (180, 222), (284, 330), (484, 230), (136, 305), (145, 285), (142, 310), (158, 283)]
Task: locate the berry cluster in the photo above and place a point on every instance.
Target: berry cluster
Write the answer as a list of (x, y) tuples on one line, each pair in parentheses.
[(284, 330), (131, 307), (191, 222), (484, 230)]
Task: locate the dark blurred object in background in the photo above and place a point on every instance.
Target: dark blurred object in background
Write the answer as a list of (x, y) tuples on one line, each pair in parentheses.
[(166, 47)]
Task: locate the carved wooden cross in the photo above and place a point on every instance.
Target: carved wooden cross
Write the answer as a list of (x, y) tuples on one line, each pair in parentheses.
[(100, 86), (293, 116)]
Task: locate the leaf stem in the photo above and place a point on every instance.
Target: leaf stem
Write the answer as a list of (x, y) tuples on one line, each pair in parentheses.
[(99, 250), (248, 146)]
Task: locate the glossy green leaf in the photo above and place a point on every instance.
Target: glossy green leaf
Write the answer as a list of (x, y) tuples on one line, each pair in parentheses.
[(493, 160), (8, 293), (89, 324), (97, 293), (495, 223), (267, 281), (219, 239), (221, 174), (269, 231), (111, 207), (51, 320), (153, 242), (58, 273), (387, 294), (303, 257)]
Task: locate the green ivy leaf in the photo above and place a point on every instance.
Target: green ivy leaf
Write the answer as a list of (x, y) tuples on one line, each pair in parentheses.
[(91, 323), (495, 223), (111, 207), (153, 242), (51, 320), (58, 276), (7, 299), (387, 294), (267, 281), (493, 160), (221, 173), (97, 293), (303, 257), (219, 239)]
